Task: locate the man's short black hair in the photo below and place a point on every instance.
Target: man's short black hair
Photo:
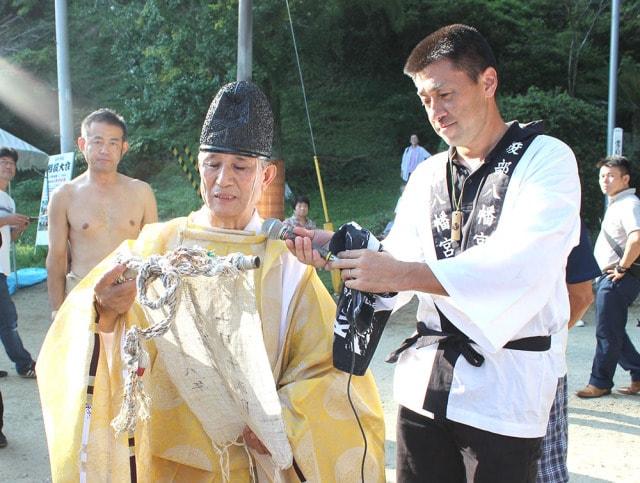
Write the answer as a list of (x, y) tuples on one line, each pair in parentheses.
[(616, 161), (106, 116), (6, 152), (462, 45), (301, 199)]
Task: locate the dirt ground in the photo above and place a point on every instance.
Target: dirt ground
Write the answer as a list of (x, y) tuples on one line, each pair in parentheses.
[(604, 434)]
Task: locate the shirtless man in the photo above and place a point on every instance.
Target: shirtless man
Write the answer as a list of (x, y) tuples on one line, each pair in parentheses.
[(92, 214)]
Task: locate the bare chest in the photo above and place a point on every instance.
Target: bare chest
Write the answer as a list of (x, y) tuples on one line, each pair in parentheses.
[(114, 215)]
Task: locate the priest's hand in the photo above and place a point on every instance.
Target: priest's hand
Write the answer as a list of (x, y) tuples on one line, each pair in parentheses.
[(253, 442), (113, 295), (303, 245)]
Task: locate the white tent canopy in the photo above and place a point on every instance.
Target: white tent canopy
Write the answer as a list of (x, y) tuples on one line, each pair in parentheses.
[(29, 156)]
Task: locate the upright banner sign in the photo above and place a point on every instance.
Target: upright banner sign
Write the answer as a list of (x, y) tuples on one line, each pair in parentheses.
[(59, 171), (617, 141)]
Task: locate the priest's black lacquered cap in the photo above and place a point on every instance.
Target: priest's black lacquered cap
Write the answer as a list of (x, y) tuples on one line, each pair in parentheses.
[(239, 121)]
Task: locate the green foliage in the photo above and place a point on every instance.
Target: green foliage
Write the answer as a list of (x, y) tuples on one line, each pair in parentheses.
[(579, 124), (24, 7), (26, 191), (159, 62), (358, 142), (27, 255), (175, 196)]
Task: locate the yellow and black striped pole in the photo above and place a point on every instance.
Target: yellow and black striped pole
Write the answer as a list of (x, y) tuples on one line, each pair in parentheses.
[(185, 169), (335, 274), (191, 157)]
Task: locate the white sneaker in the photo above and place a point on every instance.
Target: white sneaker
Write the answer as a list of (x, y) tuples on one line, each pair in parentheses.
[(580, 323)]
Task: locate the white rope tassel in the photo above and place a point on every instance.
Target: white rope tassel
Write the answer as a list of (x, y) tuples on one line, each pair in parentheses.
[(252, 470), (169, 268), (224, 459), (135, 403)]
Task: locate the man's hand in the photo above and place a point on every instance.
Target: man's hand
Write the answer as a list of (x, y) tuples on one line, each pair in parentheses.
[(302, 246), (631, 253), (370, 271), (253, 442), (18, 223), (378, 272), (614, 275), (16, 220), (113, 297)]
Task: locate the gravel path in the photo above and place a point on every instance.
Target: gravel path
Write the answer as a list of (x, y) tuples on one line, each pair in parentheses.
[(604, 433)]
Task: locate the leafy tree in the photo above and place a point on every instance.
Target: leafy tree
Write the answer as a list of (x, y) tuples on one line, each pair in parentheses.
[(579, 124), (159, 62)]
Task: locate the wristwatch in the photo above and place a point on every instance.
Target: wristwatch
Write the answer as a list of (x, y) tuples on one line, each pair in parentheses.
[(620, 269)]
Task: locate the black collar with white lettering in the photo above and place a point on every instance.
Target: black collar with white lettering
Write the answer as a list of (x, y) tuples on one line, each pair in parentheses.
[(483, 193)]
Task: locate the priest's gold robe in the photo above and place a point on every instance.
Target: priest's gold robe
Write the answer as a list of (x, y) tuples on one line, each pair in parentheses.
[(172, 445)]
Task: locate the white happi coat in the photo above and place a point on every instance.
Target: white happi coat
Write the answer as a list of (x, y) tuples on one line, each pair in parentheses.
[(510, 287)]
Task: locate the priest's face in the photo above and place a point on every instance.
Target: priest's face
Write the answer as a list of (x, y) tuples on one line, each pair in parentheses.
[(231, 185), (458, 107)]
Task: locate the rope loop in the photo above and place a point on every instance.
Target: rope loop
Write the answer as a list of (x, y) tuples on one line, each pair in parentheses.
[(170, 269)]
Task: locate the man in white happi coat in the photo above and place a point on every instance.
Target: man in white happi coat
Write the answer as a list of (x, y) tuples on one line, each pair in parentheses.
[(482, 236)]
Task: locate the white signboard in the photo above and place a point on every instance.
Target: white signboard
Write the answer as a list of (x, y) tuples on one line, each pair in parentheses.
[(617, 141), (59, 171)]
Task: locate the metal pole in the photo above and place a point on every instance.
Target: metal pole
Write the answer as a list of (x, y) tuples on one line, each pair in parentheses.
[(245, 39), (613, 74), (65, 111)]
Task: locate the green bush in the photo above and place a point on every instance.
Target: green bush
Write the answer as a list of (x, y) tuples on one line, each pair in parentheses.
[(579, 124), (174, 194), (360, 129), (27, 255), (26, 190)]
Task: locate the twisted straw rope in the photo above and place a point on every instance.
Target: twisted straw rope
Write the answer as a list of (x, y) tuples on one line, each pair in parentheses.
[(170, 268)]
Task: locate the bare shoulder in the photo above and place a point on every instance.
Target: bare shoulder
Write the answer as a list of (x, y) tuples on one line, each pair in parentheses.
[(78, 183), (135, 184), (64, 193)]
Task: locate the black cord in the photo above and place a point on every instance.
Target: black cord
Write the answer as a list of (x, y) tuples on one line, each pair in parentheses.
[(353, 408)]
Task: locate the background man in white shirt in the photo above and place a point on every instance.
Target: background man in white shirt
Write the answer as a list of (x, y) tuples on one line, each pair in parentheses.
[(617, 248), (12, 225)]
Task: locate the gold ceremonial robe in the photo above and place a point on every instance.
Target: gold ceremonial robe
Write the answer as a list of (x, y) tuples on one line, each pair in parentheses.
[(172, 445)]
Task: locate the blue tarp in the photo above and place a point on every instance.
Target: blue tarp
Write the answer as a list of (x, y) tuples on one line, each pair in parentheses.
[(26, 278)]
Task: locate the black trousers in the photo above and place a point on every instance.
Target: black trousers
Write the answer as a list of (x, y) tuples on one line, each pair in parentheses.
[(450, 452)]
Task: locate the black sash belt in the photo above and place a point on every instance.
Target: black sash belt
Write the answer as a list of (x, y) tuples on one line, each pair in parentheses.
[(452, 345)]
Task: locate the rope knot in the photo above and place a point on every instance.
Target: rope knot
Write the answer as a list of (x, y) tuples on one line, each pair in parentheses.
[(169, 268)]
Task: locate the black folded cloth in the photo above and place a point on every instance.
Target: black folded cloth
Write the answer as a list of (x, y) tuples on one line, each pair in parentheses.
[(358, 327)]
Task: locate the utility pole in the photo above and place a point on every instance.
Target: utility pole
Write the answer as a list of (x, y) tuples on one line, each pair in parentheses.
[(245, 39), (65, 112), (613, 74)]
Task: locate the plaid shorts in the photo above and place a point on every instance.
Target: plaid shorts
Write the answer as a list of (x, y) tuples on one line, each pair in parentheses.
[(552, 467)]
